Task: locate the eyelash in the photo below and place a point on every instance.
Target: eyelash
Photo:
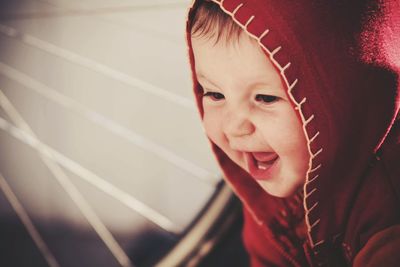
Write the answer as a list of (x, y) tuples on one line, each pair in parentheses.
[(267, 99), (214, 96)]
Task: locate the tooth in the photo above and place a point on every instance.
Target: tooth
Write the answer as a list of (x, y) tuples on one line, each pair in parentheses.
[(262, 166)]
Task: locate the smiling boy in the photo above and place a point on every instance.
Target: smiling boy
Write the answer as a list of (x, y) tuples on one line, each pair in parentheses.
[(300, 109), (248, 115)]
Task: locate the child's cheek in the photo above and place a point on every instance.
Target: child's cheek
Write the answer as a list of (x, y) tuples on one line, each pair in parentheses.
[(212, 124)]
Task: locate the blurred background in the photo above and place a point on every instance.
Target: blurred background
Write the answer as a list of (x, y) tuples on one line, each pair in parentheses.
[(103, 158)]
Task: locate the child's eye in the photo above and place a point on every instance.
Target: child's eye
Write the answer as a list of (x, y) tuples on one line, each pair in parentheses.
[(214, 96), (268, 99)]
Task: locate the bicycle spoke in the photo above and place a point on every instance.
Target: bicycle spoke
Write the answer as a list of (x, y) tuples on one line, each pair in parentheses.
[(96, 181), (69, 188), (117, 129), (27, 222)]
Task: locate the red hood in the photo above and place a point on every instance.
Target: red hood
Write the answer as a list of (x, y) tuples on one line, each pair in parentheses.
[(344, 92)]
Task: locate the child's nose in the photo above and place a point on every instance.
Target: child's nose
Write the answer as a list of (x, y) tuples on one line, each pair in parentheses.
[(237, 124)]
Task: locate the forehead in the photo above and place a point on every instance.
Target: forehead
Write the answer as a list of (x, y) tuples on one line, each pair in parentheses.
[(236, 60)]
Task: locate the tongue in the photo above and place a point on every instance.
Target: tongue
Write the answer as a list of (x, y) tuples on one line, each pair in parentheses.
[(264, 156)]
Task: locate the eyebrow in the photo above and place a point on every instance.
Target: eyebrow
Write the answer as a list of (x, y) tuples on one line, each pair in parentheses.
[(250, 86), (200, 75)]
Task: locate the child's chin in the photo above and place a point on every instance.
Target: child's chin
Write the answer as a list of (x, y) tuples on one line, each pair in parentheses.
[(276, 191)]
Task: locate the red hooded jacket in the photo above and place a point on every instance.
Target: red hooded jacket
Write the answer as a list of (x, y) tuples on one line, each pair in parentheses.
[(339, 62)]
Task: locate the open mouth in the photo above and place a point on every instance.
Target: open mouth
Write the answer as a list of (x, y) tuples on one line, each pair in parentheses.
[(261, 165)]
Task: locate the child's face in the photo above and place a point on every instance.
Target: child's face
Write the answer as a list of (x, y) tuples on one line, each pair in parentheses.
[(246, 111)]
